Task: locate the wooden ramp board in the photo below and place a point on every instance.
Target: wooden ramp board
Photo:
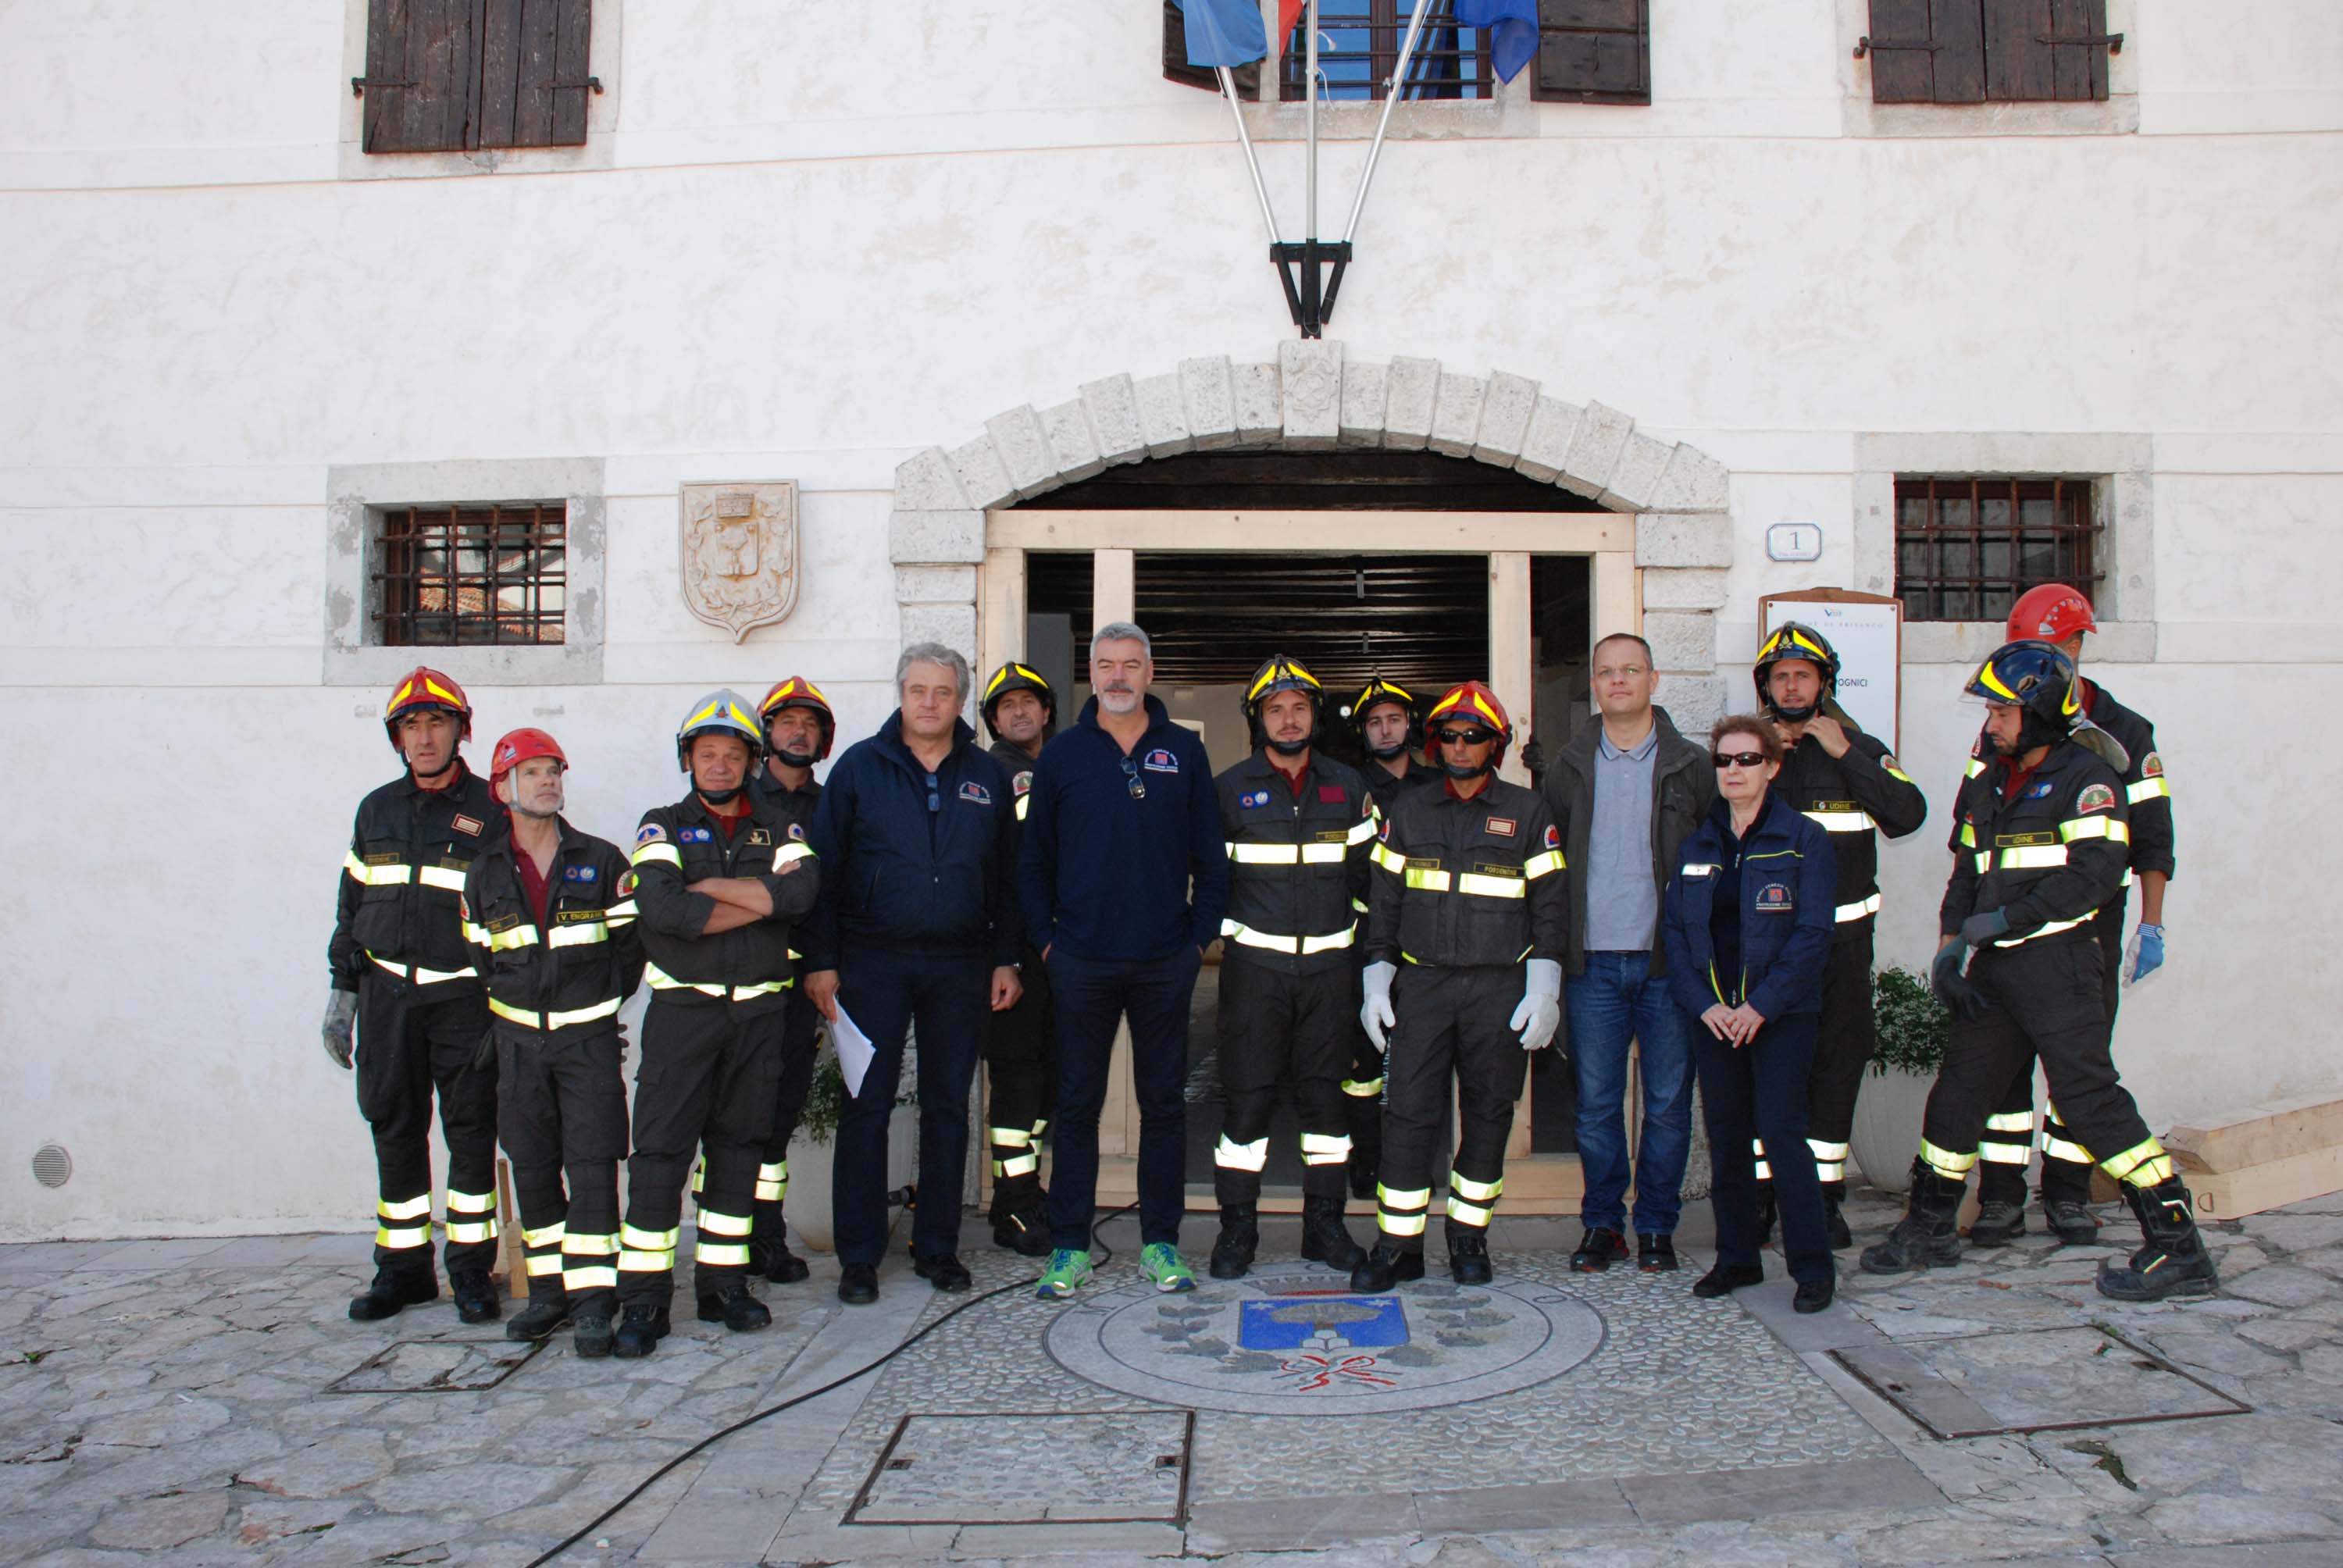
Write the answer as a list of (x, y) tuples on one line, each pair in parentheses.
[(2261, 1157)]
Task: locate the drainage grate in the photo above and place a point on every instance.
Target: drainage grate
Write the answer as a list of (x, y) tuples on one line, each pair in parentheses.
[(2043, 1379), (1024, 1467), (436, 1366)]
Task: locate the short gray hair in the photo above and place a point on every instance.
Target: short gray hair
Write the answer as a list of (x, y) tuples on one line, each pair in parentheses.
[(935, 653), (1121, 632)]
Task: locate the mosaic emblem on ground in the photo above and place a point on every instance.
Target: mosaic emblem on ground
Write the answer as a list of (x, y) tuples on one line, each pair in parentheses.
[(1292, 1339)]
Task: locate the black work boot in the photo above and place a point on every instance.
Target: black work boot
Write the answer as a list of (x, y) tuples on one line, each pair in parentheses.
[(1766, 1209), (1019, 1222), (1384, 1267), (1834, 1216), (1363, 1171), (768, 1248), (641, 1329), (590, 1338), (1468, 1254), (537, 1320), (1999, 1221), (1324, 1238), (1240, 1239), (392, 1289), (475, 1295), (733, 1307), (1928, 1236), (2173, 1262), (2071, 1222)]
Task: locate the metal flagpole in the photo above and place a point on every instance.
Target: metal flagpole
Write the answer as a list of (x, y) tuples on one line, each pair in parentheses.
[(1252, 159), (1392, 90), (1310, 99)]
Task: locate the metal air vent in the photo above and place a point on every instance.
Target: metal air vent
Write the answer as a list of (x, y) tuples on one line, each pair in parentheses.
[(52, 1166)]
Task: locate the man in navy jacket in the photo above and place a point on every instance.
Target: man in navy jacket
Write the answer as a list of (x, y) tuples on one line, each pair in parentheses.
[(916, 836), (1121, 821)]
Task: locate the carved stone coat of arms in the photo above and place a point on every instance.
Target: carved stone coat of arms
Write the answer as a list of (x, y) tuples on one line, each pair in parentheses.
[(740, 554)]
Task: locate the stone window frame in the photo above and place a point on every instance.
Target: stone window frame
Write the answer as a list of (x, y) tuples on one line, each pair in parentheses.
[(357, 497), (2118, 114), (2122, 503), (354, 162)]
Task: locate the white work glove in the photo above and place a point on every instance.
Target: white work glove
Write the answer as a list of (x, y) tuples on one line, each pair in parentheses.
[(1539, 1014), (1375, 1014), (340, 1028)]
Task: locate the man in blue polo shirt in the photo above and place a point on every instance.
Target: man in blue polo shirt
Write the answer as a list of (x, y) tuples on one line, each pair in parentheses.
[(1122, 820)]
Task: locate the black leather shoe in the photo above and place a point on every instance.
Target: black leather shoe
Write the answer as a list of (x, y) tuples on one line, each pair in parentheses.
[(1656, 1255), (1386, 1266), (394, 1288), (1468, 1255), (1598, 1250), (537, 1320), (770, 1257), (735, 1308), (590, 1338), (1724, 1279), (858, 1284), (476, 1297), (641, 1329), (1813, 1295), (945, 1271)]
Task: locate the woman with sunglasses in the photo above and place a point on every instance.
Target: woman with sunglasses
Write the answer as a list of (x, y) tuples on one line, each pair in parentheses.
[(1747, 919)]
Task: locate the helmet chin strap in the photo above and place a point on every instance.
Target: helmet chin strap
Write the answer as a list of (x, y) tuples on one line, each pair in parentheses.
[(1457, 770), (793, 758), (1788, 714), (1385, 753), (1291, 748), (714, 797)]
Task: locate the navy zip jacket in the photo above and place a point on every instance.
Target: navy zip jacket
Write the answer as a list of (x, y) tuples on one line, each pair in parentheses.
[(897, 874), (1106, 872), (1788, 879)]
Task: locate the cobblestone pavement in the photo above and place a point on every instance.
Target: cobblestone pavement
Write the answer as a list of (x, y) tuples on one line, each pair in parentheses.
[(168, 1401)]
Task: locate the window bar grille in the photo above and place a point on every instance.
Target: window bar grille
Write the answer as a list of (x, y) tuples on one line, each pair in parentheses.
[(1946, 557), (1385, 23), (492, 574)]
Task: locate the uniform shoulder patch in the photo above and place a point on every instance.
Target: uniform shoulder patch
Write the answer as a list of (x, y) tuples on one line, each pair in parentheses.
[(2151, 767), (796, 832), (463, 909), (1553, 836), (627, 885), (1888, 761), (2096, 797), (471, 824), (1503, 827), (652, 833), (975, 793), (1023, 782)]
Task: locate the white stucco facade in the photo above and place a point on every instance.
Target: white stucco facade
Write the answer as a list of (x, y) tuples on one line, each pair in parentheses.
[(821, 243)]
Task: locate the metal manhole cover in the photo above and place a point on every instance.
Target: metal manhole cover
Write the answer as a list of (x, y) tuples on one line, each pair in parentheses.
[(1292, 1340), (2043, 1379), (436, 1366), (1018, 1467)]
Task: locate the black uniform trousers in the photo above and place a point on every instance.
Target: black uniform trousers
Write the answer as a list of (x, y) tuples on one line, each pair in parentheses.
[(1274, 1028), (1093, 998), (947, 997), (411, 1041), (1020, 1066), (705, 1083), (801, 1043), (2008, 1139), (1762, 1091), (561, 1110), (1453, 1023), (2048, 1001)]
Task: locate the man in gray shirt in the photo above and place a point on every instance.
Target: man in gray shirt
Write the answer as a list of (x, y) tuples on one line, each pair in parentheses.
[(1625, 792)]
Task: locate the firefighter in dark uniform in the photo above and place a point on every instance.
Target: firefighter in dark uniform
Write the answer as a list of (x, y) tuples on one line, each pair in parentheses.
[(2045, 833), (1021, 1043), (799, 728), (1469, 895), (2054, 613), (549, 914), (1390, 726), (1850, 786), (405, 982), (1298, 826), (721, 878)]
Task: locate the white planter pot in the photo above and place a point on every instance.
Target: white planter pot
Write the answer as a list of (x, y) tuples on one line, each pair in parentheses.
[(808, 1206), (1886, 1135)]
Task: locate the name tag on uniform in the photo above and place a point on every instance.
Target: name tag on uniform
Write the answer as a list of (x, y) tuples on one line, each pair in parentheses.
[(1503, 827), (471, 824)]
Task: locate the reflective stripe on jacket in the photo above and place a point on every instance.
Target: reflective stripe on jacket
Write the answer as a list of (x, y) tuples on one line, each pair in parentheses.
[(1853, 798), (2048, 859), (1461, 882), (409, 849), (587, 957), (684, 843), (1297, 864)]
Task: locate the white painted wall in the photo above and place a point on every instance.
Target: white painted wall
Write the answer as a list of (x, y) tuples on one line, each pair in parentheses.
[(822, 238)]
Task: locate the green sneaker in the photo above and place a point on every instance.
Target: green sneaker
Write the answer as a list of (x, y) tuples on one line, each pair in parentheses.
[(1068, 1271), (1161, 1262)]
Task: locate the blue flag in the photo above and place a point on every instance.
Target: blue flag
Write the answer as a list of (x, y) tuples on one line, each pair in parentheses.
[(1513, 27), (1223, 32)]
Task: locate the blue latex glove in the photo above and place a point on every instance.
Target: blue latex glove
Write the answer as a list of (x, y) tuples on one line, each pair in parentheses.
[(2144, 955), (1981, 929)]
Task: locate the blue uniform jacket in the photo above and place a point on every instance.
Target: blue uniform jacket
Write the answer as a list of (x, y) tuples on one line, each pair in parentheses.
[(1788, 877), (897, 874), (1106, 872)]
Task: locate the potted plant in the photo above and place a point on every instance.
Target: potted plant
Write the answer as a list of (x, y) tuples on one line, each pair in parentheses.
[(807, 1205), (1913, 1028)]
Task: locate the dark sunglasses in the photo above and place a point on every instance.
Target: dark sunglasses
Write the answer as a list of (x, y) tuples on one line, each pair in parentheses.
[(1131, 778), (1476, 736), (1738, 759)]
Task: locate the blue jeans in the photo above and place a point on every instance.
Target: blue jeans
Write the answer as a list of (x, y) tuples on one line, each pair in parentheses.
[(1617, 1003)]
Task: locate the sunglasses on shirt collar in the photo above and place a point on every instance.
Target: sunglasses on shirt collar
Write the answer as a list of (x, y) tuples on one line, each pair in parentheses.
[(1131, 778)]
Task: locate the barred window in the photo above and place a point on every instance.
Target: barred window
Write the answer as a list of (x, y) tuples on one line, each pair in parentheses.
[(1358, 45), (1967, 545), (471, 576)]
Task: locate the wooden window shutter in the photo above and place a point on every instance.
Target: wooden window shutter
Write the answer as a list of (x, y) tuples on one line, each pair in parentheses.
[(2026, 58), (1593, 52), (533, 84), (423, 76), (1177, 69), (1927, 50)]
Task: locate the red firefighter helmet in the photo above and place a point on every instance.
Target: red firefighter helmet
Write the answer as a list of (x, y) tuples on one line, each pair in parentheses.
[(1476, 702), (518, 748), (2050, 613), (424, 690), (797, 691)]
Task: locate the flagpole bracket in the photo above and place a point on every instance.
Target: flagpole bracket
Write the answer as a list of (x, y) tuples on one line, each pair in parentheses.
[(1302, 266)]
